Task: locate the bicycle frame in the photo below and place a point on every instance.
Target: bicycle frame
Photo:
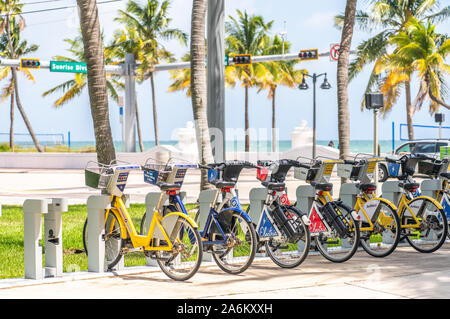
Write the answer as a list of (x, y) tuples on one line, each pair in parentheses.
[(318, 224), (404, 206), (156, 230), (367, 207)]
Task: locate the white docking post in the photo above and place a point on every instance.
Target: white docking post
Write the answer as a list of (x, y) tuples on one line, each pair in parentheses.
[(53, 237), (32, 219)]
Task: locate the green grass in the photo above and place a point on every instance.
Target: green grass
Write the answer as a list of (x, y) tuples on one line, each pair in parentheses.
[(4, 147), (74, 258)]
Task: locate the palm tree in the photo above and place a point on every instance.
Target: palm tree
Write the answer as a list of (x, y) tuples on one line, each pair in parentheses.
[(342, 79), (10, 10), (279, 73), (198, 86), (247, 35), (21, 48), (418, 49), (96, 76), (391, 16), (151, 24), (181, 78)]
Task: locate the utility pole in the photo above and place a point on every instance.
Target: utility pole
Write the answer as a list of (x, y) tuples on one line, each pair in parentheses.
[(216, 77), (130, 103)]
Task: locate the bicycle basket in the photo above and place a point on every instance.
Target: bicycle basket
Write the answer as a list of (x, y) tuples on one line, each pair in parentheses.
[(156, 172), (231, 172), (97, 175), (305, 174), (344, 170), (429, 168)]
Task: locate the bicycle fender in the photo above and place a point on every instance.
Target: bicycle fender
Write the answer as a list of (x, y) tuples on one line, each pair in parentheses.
[(435, 202), (123, 225), (241, 212), (188, 218), (387, 202)]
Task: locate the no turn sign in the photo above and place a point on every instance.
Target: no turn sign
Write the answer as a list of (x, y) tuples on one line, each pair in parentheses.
[(334, 52)]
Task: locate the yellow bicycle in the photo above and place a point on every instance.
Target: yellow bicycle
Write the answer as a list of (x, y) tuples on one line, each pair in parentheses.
[(423, 221), (173, 240), (379, 227)]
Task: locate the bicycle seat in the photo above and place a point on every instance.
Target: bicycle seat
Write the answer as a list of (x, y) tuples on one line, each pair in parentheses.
[(445, 175), (169, 187), (224, 184), (278, 187), (322, 186), (409, 186), (367, 187)]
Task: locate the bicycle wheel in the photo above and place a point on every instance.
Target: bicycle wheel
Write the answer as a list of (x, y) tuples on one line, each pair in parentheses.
[(338, 247), (384, 238), (237, 254), (433, 229), (183, 260), (113, 239), (85, 239), (290, 252)]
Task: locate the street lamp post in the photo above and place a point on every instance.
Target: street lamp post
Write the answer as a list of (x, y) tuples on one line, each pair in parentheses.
[(324, 86)]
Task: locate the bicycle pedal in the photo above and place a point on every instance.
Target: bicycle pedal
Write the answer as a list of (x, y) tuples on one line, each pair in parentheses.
[(335, 242)]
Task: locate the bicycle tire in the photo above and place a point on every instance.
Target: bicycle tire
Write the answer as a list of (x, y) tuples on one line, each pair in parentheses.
[(167, 262), (388, 239), (221, 254), (338, 257), (114, 256), (442, 228), (276, 258)]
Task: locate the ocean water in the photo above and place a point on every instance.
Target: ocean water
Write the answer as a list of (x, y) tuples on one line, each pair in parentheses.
[(356, 146)]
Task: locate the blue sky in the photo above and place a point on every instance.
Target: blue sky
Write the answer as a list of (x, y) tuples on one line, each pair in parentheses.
[(309, 25)]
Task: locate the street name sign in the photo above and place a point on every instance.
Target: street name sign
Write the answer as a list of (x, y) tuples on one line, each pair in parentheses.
[(68, 67)]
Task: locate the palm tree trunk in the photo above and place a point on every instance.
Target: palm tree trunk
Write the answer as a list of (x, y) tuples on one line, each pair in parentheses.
[(247, 132), (138, 125), (409, 111), (198, 87), (98, 95), (11, 127), (16, 88), (342, 80), (155, 114), (274, 133)]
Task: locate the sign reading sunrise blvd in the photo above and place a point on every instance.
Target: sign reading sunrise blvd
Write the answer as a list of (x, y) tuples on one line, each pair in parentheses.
[(70, 67)]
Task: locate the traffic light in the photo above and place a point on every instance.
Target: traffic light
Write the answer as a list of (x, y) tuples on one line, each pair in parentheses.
[(30, 63), (309, 54), (242, 59)]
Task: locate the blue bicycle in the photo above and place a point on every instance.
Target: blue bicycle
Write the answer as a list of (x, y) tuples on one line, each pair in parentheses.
[(228, 233)]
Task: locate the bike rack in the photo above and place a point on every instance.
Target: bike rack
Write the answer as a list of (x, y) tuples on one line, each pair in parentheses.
[(151, 201), (257, 196), (305, 198), (33, 210), (96, 207), (205, 200), (348, 193), (430, 187), (391, 191)]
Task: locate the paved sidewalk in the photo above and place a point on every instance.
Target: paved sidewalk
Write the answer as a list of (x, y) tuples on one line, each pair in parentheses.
[(404, 274)]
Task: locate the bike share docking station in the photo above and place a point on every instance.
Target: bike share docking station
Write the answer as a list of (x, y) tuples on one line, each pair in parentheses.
[(112, 183), (52, 209)]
